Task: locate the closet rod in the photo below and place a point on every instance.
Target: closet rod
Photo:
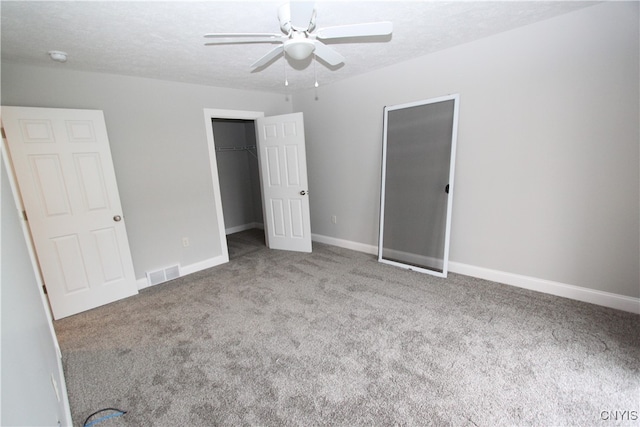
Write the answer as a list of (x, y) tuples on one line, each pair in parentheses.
[(246, 147)]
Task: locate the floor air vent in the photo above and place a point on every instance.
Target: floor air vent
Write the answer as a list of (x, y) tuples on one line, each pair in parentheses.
[(164, 275)]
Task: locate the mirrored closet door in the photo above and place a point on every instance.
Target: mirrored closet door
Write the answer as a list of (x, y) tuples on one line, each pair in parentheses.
[(418, 160)]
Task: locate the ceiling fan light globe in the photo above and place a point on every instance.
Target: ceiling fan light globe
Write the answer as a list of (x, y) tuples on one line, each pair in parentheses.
[(299, 49)]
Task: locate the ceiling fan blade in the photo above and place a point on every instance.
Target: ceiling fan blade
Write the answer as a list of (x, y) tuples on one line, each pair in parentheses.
[(327, 54), (356, 30), (272, 54), (302, 14), (233, 39)]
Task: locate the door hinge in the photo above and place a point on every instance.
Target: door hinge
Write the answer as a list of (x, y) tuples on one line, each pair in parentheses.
[(44, 289), (24, 215), (4, 135)]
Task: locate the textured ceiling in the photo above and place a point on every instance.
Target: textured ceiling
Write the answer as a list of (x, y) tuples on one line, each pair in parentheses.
[(164, 40)]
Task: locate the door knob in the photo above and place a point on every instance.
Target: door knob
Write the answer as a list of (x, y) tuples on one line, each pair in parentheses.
[(117, 218), (303, 192)]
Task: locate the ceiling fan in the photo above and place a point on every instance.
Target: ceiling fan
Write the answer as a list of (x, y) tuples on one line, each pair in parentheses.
[(299, 38)]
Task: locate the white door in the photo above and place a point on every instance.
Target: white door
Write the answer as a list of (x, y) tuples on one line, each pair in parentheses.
[(64, 171), (283, 174)]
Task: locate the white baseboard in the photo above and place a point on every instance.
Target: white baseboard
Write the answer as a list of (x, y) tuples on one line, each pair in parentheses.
[(191, 268), (606, 299), (593, 296), (243, 227), (347, 244), (142, 283)]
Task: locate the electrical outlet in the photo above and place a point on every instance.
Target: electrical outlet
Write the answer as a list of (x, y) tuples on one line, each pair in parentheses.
[(334, 219), (185, 242)]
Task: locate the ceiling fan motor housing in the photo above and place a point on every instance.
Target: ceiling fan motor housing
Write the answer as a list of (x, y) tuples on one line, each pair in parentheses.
[(305, 15)]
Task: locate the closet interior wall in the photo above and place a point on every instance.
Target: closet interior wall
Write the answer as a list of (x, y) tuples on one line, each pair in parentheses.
[(236, 157)]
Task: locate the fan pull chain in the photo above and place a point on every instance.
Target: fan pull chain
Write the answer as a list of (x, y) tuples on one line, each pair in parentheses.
[(286, 82), (315, 74), (315, 70)]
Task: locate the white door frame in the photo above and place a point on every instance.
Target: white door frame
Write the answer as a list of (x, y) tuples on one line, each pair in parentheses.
[(209, 114)]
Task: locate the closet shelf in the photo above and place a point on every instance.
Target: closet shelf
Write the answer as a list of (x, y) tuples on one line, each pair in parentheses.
[(248, 148)]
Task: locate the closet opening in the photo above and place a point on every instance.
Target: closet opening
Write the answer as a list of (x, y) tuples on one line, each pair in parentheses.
[(239, 178)]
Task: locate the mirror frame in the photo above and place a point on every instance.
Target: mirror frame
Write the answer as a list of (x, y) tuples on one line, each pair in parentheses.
[(454, 136)]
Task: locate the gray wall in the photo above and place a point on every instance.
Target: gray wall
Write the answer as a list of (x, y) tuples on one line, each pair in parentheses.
[(159, 146), (29, 355), (238, 172), (547, 172)]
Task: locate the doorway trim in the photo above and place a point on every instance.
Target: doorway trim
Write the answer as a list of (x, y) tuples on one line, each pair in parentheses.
[(209, 114)]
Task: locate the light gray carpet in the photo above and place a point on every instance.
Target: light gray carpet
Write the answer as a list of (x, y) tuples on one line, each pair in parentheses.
[(336, 338)]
